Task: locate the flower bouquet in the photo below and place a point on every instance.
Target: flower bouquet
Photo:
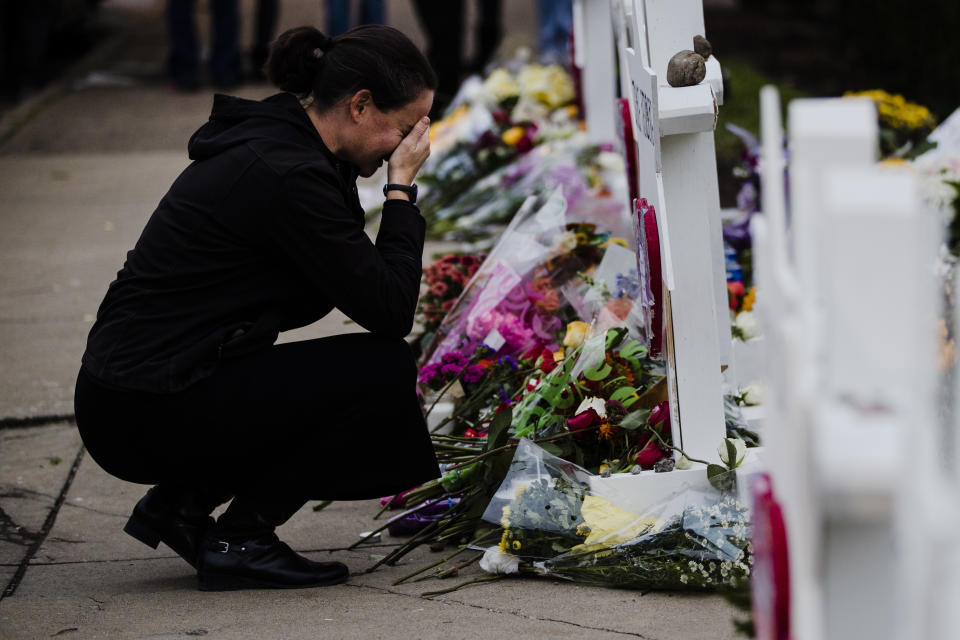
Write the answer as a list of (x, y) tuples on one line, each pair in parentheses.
[(554, 522), (525, 291), (443, 281)]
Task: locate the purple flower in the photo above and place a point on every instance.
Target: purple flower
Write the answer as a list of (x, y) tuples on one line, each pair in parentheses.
[(510, 362), (473, 373), (450, 370), (428, 373)]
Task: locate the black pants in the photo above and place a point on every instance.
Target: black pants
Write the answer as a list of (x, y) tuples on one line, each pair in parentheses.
[(329, 419)]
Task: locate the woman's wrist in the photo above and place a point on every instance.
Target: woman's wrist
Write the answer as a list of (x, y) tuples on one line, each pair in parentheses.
[(400, 177), (396, 194)]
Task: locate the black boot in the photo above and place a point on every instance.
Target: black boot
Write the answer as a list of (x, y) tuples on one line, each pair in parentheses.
[(243, 552), (180, 518)]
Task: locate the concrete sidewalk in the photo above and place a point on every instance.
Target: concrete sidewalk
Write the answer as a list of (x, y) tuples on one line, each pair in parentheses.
[(78, 180)]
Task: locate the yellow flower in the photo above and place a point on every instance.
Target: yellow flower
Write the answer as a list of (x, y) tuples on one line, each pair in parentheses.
[(895, 111), (558, 356), (606, 431), (516, 545), (749, 300), (603, 467), (576, 333), (550, 86), (512, 135), (500, 86)]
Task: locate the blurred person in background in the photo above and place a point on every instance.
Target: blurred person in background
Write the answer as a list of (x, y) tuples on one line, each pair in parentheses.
[(183, 60), (263, 29), (340, 12), (556, 26), (444, 23), (181, 384)]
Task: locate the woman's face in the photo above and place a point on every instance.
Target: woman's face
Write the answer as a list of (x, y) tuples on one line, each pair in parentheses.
[(378, 132)]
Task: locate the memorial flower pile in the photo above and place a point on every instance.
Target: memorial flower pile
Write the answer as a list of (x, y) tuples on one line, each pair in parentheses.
[(492, 125)]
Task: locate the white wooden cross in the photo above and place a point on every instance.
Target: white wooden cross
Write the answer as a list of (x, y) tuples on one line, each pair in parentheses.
[(677, 176), (871, 517)]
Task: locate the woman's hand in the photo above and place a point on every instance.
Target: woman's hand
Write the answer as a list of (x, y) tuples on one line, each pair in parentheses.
[(410, 154)]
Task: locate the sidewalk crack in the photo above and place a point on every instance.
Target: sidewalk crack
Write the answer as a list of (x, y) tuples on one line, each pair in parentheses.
[(45, 529), (517, 614)]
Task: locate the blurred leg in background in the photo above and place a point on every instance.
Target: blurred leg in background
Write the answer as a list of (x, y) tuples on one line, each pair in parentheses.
[(263, 34), (340, 14), (226, 68), (24, 35), (489, 32), (183, 51), (183, 61), (556, 25), (443, 22)]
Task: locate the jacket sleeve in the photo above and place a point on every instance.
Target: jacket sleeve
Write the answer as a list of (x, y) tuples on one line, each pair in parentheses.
[(375, 285)]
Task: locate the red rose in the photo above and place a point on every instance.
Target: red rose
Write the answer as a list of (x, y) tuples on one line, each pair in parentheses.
[(649, 455), (584, 420)]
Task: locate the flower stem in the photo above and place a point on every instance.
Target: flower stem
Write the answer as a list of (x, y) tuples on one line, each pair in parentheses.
[(462, 585), (430, 566), (670, 446)]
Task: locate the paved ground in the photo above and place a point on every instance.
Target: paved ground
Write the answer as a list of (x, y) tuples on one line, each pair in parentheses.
[(81, 167)]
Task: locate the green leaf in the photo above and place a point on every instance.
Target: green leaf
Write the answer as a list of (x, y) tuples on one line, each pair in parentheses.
[(615, 336), (720, 477), (623, 393), (633, 349), (551, 448), (731, 454), (599, 372), (636, 420), (499, 429)]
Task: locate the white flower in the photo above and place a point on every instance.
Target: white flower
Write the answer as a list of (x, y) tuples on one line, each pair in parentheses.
[(610, 161), (496, 561), (753, 394), (747, 325), (528, 108), (741, 451), (683, 464), (597, 404)]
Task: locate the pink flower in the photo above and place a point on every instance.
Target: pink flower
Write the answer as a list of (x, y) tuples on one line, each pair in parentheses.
[(438, 288)]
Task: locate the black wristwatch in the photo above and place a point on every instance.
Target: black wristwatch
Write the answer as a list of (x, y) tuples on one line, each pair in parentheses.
[(410, 191)]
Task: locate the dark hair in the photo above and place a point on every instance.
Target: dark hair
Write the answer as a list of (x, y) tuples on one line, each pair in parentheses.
[(381, 59)]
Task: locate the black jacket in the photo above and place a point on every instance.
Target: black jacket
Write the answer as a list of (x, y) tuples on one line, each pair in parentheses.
[(262, 233)]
